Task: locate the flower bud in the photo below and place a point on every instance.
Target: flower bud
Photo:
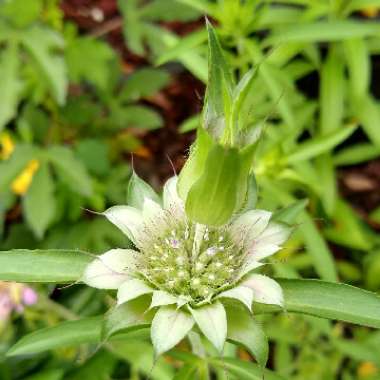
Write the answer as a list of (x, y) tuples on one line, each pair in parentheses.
[(214, 180)]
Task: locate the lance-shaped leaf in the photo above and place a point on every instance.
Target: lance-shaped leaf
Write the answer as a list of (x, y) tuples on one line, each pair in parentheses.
[(65, 334), (244, 370), (55, 265), (319, 145), (244, 330), (290, 213), (328, 300), (169, 327)]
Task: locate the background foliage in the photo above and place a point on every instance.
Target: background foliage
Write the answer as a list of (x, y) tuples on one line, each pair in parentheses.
[(87, 83)]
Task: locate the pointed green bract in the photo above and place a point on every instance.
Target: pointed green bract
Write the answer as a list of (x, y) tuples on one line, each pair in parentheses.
[(244, 330), (130, 315), (212, 321), (212, 199), (218, 100), (138, 190), (194, 165)]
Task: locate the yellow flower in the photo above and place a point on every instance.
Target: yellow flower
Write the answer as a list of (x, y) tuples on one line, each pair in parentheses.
[(367, 369), (7, 146), (21, 184)]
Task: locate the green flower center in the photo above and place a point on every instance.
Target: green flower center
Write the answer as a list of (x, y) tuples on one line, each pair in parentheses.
[(190, 263)]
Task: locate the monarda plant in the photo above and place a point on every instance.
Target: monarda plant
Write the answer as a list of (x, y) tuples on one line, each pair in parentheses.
[(195, 267)]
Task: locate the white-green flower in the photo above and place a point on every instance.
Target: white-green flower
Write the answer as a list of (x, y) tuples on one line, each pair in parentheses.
[(188, 268)]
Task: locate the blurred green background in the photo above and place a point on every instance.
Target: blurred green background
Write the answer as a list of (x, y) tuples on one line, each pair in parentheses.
[(85, 85)]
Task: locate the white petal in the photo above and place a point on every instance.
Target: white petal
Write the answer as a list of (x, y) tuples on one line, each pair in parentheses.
[(127, 219), (240, 293), (275, 234), (249, 226), (261, 250), (172, 201), (155, 217), (169, 327), (132, 289), (265, 290), (162, 298), (249, 265), (212, 321), (111, 269)]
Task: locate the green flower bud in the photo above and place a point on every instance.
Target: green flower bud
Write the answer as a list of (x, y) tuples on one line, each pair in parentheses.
[(214, 180)]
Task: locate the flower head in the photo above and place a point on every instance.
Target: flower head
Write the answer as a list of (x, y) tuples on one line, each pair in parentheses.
[(14, 297), (189, 265)]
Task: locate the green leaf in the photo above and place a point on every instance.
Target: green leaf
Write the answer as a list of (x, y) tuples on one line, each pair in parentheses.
[(348, 229), (59, 266), (21, 13), (290, 214), (244, 370), (319, 145), (244, 330), (10, 168), (190, 124), (186, 43), (52, 374), (130, 315), (332, 92), (321, 31), (94, 153), (329, 300), (10, 84), (99, 366), (72, 170), (187, 372), (65, 334), (144, 82), (169, 10), (356, 154), (140, 354), (39, 202), (357, 58), (317, 248), (367, 110), (95, 67), (45, 45), (141, 117)]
